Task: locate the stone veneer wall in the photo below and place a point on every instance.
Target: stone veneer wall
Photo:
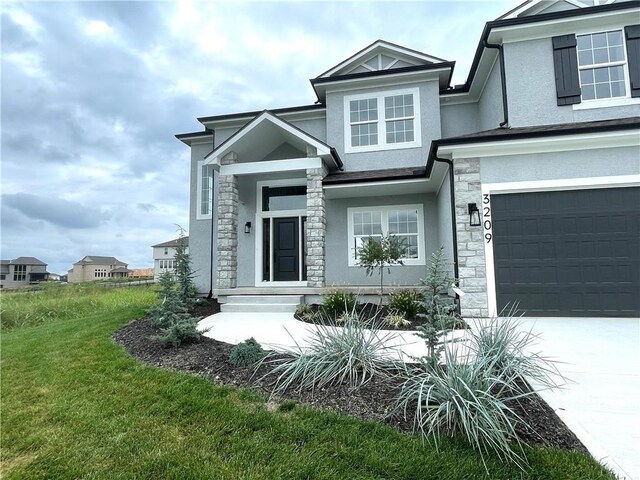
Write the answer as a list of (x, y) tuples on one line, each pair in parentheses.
[(471, 259), (316, 227), (227, 237)]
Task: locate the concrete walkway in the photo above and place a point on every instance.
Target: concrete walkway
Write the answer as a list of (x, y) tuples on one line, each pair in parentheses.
[(600, 356)]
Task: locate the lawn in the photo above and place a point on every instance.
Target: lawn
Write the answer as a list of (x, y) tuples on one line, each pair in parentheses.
[(75, 405)]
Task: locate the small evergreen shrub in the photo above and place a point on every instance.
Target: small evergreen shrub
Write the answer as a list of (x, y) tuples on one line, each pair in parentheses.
[(179, 331), (406, 302), (396, 320), (303, 309), (337, 302), (246, 353)]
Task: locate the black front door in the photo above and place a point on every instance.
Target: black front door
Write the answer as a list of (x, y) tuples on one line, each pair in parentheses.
[(286, 249)]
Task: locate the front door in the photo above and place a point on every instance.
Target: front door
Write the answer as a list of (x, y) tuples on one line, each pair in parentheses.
[(286, 249)]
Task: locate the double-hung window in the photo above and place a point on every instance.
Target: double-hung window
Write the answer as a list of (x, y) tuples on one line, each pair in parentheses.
[(382, 121), (205, 190), (403, 221), (602, 65)]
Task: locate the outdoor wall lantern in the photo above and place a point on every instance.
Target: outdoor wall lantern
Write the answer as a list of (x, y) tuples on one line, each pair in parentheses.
[(247, 227), (474, 215)]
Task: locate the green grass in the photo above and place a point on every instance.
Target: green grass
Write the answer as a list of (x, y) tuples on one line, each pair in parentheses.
[(75, 405)]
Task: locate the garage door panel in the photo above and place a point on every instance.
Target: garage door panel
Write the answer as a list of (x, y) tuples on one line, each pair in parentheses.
[(568, 253)]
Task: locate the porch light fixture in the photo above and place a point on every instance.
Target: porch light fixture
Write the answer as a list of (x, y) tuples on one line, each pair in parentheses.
[(474, 215), (247, 227)]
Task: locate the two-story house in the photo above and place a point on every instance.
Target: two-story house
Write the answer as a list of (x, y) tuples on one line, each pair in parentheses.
[(93, 268), (22, 271), (528, 173), (164, 255)]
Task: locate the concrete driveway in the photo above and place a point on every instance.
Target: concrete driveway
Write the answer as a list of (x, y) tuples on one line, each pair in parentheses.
[(602, 357)]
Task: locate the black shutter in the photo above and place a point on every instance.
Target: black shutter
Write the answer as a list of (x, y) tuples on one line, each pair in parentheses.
[(565, 62), (632, 34)]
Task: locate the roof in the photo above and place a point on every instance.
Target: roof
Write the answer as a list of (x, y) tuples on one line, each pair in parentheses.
[(500, 134), (120, 270), (171, 243), (277, 111), (99, 260), (374, 175), (23, 261), (142, 272)]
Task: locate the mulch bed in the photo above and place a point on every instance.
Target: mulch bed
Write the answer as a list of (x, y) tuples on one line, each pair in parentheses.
[(370, 311), (209, 358)]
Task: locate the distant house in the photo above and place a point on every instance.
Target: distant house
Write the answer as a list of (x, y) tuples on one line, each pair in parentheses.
[(22, 271), (141, 273), (164, 256), (92, 268)]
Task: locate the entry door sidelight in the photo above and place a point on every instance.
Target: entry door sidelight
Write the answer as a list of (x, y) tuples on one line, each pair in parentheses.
[(286, 249)]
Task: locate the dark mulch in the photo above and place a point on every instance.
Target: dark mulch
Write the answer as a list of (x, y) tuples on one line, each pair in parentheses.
[(210, 358), (369, 310)]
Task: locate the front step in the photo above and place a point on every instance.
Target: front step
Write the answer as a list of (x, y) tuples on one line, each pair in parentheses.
[(260, 303)]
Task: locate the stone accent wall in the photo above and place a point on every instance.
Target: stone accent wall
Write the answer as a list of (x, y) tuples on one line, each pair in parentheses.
[(471, 259), (227, 237), (316, 227)]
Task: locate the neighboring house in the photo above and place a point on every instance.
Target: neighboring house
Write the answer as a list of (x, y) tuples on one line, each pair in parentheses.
[(164, 256), (142, 273), (92, 268), (528, 173), (22, 271)]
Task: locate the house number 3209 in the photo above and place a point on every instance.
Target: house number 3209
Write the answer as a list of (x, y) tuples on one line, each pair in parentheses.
[(486, 216)]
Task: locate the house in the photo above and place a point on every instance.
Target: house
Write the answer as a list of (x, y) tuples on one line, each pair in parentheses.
[(164, 256), (22, 271), (528, 173), (92, 268), (142, 273)]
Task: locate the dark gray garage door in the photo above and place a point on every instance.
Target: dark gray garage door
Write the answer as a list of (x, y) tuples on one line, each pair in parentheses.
[(570, 253)]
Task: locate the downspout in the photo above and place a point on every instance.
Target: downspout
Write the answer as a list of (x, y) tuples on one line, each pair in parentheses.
[(503, 81), (213, 144), (454, 232)]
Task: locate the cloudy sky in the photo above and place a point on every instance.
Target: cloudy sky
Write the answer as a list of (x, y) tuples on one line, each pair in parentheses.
[(93, 93)]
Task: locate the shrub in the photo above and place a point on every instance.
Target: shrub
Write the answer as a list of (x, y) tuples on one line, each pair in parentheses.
[(179, 331), (337, 302), (462, 399), (396, 320), (303, 309), (406, 302), (246, 353), (351, 354)]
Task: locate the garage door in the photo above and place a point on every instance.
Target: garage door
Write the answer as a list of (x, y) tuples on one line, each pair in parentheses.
[(570, 253)]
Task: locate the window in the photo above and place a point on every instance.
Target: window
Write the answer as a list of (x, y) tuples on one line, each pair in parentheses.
[(167, 264), (382, 121), (100, 273), (3, 276), (205, 191), (19, 273), (166, 251), (601, 63), (404, 221)]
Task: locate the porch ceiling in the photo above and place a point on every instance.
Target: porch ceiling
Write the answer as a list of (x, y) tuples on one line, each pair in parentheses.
[(369, 185)]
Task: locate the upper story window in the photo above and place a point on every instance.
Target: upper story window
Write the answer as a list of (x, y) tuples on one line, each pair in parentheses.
[(205, 191), (19, 273), (382, 121), (602, 62)]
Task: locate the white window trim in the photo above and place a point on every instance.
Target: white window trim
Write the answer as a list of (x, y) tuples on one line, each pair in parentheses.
[(260, 215), (385, 230), (381, 122), (199, 215), (491, 189), (612, 101)]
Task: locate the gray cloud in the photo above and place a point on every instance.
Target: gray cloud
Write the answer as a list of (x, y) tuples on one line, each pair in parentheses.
[(57, 211)]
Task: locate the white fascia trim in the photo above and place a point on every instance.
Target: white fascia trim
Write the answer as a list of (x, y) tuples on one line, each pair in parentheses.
[(267, 117), (239, 122), (374, 184), (538, 30), (585, 141), (352, 262), (371, 48), (489, 189), (386, 79), (269, 166)]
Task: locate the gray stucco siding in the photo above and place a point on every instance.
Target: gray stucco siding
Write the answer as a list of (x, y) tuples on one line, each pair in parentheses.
[(337, 244), (459, 119), (445, 228), (393, 158), (560, 165), (532, 91), (490, 109)]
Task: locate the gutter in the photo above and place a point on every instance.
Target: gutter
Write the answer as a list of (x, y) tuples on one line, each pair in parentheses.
[(503, 81)]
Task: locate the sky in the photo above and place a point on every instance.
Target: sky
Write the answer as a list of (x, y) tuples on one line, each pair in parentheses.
[(94, 92)]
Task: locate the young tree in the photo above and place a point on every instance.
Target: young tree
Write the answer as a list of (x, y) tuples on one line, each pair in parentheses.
[(378, 255), (184, 273)]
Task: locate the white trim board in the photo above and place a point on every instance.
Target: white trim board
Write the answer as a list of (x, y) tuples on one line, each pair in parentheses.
[(538, 186), (269, 166)]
